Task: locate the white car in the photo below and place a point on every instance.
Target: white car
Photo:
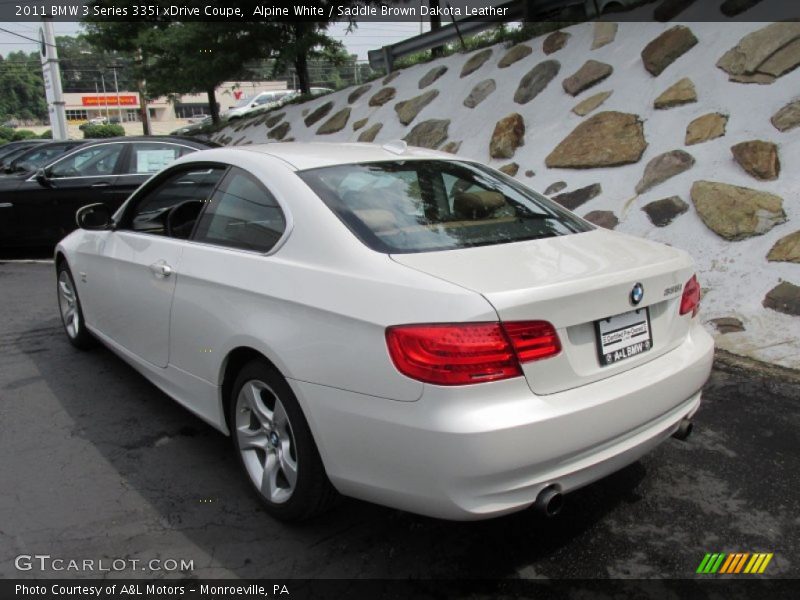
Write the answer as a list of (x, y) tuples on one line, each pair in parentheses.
[(393, 324), (262, 101)]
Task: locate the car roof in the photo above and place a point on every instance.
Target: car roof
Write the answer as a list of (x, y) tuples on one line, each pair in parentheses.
[(311, 155), (186, 140), (38, 147)]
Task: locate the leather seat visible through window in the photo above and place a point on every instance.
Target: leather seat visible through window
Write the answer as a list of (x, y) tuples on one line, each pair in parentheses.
[(477, 205)]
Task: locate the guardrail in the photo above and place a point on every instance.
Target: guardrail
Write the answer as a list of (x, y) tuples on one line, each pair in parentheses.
[(516, 10)]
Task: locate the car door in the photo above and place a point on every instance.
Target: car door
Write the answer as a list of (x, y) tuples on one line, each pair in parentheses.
[(131, 277), (242, 223), (44, 207), (144, 160)]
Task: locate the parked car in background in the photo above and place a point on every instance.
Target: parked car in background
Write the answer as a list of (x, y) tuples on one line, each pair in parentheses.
[(198, 118), (11, 150), (262, 101), (39, 155), (318, 91), (193, 127), (38, 208), (395, 324)]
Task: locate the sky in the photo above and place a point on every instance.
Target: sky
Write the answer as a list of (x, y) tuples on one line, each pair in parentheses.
[(366, 37)]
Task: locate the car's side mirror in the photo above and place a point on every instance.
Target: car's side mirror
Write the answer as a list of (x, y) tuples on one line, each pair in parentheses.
[(94, 217), (43, 178)]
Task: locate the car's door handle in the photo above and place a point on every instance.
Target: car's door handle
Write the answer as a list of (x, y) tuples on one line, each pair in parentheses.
[(6, 205), (100, 184), (161, 269)]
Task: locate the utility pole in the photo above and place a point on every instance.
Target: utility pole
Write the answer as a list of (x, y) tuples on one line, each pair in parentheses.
[(116, 89), (51, 73), (105, 96)]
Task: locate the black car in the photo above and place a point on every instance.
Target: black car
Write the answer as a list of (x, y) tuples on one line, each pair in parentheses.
[(37, 208), (39, 155), (11, 150)]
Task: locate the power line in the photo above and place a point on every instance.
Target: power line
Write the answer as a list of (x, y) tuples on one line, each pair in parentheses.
[(25, 37)]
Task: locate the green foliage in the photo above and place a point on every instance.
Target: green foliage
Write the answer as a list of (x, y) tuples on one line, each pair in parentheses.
[(92, 131), (23, 134), (76, 52), (22, 87), (47, 135), (6, 133)]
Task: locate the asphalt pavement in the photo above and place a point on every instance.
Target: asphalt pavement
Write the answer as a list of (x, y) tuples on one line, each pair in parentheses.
[(96, 463)]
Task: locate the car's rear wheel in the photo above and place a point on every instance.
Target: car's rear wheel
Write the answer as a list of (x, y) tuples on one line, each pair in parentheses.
[(69, 305), (275, 446)]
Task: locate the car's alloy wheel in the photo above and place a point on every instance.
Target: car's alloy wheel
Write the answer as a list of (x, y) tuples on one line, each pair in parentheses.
[(71, 312), (265, 441), (275, 445)]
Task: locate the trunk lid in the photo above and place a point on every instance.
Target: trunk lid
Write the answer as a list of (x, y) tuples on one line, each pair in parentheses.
[(572, 281)]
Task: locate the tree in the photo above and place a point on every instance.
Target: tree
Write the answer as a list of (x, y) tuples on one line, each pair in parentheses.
[(22, 87), (82, 65), (304, 41), (185, 57), (193, 57), (436, 24)]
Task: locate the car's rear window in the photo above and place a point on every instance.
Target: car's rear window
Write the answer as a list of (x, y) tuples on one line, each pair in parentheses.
[(426, 205)]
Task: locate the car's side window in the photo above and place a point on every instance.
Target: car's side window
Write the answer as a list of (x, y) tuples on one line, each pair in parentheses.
[(184, 193), (95, 161), (151, 157), (242, 214)]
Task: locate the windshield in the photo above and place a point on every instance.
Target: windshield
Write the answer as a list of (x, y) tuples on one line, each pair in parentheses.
[(427, 205), (243, 102)]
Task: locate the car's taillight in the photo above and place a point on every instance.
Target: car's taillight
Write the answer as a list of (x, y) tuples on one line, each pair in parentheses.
[(533, 340), (690, 301), (464, 353)]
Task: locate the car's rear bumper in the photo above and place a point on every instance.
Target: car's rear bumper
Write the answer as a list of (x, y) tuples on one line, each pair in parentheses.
[(481, 451)]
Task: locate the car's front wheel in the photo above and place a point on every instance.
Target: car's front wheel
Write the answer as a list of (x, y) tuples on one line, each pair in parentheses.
[(275, 446), (69, 305)]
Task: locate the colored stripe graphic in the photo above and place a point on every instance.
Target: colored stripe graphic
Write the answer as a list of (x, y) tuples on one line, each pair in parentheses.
[(767, 558), (727, 564), (741, 562), (734, 563)]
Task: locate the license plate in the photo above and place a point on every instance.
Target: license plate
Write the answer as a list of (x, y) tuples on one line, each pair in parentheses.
[(623, 336)]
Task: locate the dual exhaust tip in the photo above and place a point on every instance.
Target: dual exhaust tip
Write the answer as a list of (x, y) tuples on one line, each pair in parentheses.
[(550, 501), (684, 430)]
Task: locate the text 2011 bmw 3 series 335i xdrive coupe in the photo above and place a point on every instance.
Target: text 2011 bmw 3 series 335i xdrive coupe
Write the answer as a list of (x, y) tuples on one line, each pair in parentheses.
[(392, 324)]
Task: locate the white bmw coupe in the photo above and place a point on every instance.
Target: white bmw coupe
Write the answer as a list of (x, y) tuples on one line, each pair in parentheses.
[(393, 324)]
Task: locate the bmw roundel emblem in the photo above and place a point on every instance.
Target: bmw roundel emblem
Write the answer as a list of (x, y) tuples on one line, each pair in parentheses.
[(637, 293)]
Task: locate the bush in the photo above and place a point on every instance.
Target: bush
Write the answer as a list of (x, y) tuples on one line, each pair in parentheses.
[(23, 134), (92, 131), (47, 135), (6, 133)]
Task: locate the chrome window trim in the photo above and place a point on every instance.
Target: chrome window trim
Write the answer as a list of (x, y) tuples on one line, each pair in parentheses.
[(131, 142)]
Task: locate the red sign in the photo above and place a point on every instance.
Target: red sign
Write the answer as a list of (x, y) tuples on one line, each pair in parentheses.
[(109, 100), (237, 94)]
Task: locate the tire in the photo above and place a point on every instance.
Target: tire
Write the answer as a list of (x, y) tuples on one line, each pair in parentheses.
[(275, 447), (69, 305)]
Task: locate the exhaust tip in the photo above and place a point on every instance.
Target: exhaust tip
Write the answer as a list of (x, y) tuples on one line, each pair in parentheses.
[(549, 502), (685, 428)]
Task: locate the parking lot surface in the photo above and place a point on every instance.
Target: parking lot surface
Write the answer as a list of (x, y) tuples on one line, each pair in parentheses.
[(96, 463)]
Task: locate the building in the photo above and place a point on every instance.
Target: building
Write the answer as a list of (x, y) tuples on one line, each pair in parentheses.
[(123, 105)]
